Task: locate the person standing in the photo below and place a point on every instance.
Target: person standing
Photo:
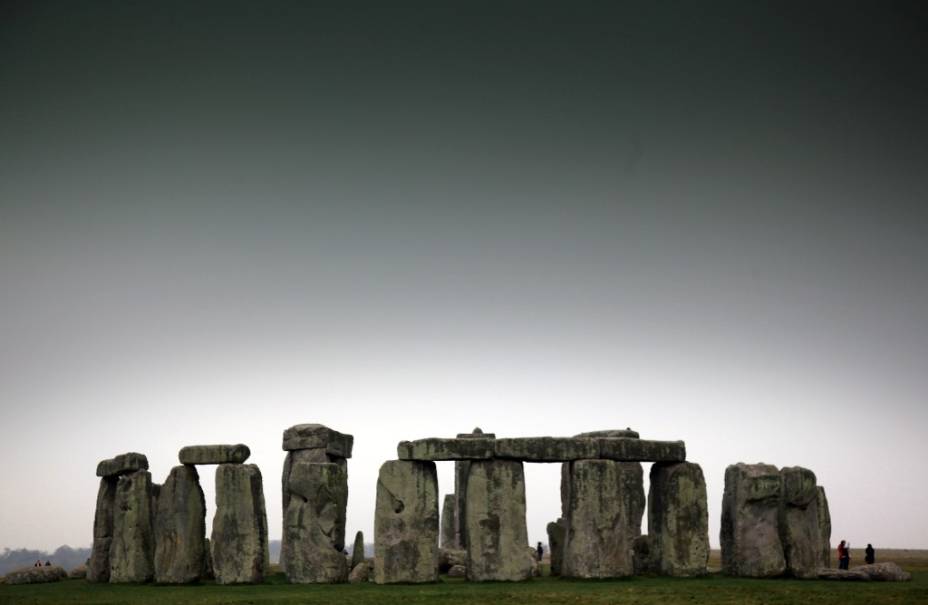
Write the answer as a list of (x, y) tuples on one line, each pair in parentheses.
[(539, 552), (844, 555), (870, 555)]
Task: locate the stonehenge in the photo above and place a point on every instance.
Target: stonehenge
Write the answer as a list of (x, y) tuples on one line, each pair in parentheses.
[(775, 522)]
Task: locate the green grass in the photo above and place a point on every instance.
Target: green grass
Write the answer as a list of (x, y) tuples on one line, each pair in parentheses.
[(712, 590)]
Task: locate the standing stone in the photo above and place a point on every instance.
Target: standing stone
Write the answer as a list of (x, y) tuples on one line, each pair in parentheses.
[(180, 528), (497, 538), (605, 506), (556, 534), (98, 569), (798, 522), (357, 551), (318, 495), (678, 519), (133, 543), (406, 523), (824, 526), (749, 535), (239, 538), (461, 470), (447, 522)]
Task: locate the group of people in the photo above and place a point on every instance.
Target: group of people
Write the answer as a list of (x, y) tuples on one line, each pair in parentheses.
[(844, 554), (38, 563)]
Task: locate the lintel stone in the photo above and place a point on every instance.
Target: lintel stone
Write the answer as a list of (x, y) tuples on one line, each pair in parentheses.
[(435, 448), (313, 436), (122, 464), (214, 454), (640, 450), (547, 449)]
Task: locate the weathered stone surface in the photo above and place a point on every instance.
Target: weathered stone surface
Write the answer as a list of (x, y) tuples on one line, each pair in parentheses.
[(798, 522), (547, 449), (122, 464), (214, 454), (447, 522), (461, 470), (644, 559), (78, 573), (314, 521), (842, 575), (208, 561), (605, 506), (435, 448), (406, 523), (36, 575), (678, 519), (457, 571), (449, 557), (180, 528), (357, 550), (239, 539), (318, 436), (824, 526), (750, 537), (556, 535), (629, 433), (98, 568), (497, 538), (883, 572), (308, 455), (628, 449), (536, 569), (133, 544), (361, 572)]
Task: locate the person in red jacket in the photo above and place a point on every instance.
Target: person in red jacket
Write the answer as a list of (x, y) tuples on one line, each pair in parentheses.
[(844, 555)]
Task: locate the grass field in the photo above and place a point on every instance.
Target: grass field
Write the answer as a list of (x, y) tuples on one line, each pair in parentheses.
[(712, 590)]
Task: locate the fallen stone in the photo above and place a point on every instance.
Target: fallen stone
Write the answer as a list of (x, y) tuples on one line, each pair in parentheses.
[(883, 572), (122, 465), (546, 449), (318, 436), (556, 534), (678, 519), (750, 536), (447, 522), (98, 566), (78, 573), (357, 550), (625, 449), (239, 539), (629, 433), (497, 538), (314, 514), (449, 557), (406, 523), (133, 545), (457, 571), (824, 526), (798, 522), (605, 506), (434, 449), (214, 454), (846, 575), (180, 528), (361, 572), (36, 575)]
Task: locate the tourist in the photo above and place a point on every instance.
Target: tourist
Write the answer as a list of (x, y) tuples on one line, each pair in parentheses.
[(870, 555), (844, 555), (539, 552)]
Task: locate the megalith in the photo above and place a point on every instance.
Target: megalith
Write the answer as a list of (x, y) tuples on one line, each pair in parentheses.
[(447, 522), (133, 543), (98, 568), (556, 535), (314, 521), (678, 519), (461, 470), (824, 526), (357, 551), (604, 506), (750, 536), (406, 523), (496, 536), (180, 528), (239, 539), (798, 522)]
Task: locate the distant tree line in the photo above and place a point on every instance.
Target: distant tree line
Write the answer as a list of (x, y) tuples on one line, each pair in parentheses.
[(64, 556)]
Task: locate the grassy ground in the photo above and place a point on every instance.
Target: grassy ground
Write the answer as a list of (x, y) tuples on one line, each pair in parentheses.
[(713, 590)]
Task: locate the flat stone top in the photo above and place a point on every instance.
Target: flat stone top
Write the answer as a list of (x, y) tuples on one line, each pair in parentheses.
[(214, 454), (122, 464), (543, 449), (318, 436)]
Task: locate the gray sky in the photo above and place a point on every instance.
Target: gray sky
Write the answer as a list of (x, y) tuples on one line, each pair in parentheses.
[(705, 222)]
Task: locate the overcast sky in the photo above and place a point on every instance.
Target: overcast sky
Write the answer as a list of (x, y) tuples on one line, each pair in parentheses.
[(701, 220)]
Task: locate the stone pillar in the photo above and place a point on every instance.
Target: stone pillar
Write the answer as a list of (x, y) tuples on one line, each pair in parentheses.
[(180, 528), (605, 506), (798, 522), (461, 470), (315, 512), (132, 548), (315, 443), (556, 534), (357, 551), (406, 523), (678, 519), (98, 568), (239, 538), (496, 537), (447, 522), (750, 535), (824, 526)]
